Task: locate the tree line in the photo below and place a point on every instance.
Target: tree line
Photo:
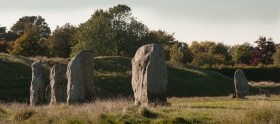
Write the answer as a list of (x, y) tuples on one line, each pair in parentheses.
[(115, 32)]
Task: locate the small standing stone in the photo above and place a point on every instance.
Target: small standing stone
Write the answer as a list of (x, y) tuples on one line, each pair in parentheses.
[(58, 89), (149, 75), (37, 84), (80, 75), (241, 84)]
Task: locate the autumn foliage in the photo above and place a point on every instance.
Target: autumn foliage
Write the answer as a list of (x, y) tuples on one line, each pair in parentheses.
[(263, 52)]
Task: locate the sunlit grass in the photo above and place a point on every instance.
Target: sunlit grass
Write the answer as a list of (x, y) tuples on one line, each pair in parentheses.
[(254, 109), (264, 84)]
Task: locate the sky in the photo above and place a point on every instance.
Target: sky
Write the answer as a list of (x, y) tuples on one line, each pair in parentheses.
[(229, 21)]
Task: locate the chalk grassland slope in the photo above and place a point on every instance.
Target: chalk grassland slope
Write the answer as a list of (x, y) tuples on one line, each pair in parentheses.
[(112, 78), (15, 75)]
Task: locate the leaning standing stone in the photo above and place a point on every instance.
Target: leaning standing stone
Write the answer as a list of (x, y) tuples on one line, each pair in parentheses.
[(57, 78), (80, 75), (149, 75), (37, 84), (241, 84)]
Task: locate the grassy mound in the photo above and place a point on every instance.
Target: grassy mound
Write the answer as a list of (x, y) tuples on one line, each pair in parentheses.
[(113, 78), (15, 72)]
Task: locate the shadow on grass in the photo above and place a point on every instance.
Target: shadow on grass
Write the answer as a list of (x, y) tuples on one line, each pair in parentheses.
[(15, 81), (178, 120), (189, 81), (217, 107), (145, 112)]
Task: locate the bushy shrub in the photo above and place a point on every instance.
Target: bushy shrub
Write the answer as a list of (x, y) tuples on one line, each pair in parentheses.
[(207, 59), (176, 54)]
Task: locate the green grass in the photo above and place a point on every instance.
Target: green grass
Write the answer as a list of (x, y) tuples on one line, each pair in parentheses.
[(255, 109), (185, 80)]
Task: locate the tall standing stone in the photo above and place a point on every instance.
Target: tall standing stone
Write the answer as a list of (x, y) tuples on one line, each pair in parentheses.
[(80, 75), (58, 89), (241, 84), (37, 84), (149, 75)]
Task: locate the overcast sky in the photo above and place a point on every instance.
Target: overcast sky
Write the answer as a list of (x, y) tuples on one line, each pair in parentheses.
[(229, 21)]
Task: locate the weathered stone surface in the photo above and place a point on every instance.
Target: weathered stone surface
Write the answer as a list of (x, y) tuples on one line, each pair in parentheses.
[(241, 84), (80, 75), (58, 89), (48, 93), (149, 75), (37, 84)]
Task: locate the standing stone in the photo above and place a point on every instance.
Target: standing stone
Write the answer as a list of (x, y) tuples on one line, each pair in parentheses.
[(149, 75), (241, 84), (37, 84), (58, 89), (80, 75)]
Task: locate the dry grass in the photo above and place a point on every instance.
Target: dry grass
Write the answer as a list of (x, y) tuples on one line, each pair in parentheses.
[(84, 113), (255, 109), (264, 83), (15, 58)]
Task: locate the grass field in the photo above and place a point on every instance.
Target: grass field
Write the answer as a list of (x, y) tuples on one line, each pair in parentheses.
[(254, 109), (195, 95)]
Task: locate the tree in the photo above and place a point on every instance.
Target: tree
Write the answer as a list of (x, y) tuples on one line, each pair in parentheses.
[(210, 50), (38, 21), (2, 33), (5, 45), (188, 56), (61, 41), (223, 50), (164, 39), (276, 56), (127, 30), (161, 37), (207, 59), (176, 53), (263, 52), (242, 53), (2, 39), (7, 36), (29, 44), (231, 49), (172, 47), (96, 35), (111, 32), (6, 39)]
